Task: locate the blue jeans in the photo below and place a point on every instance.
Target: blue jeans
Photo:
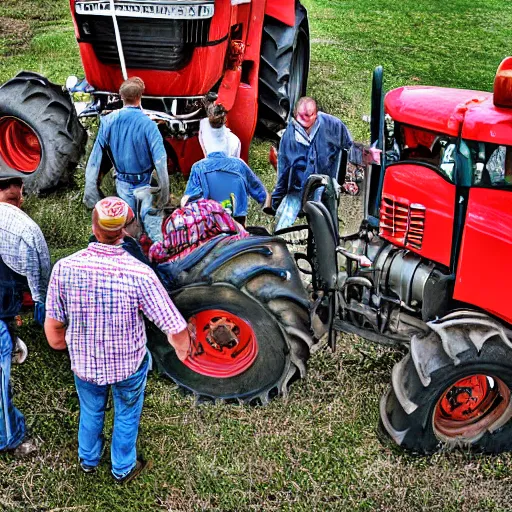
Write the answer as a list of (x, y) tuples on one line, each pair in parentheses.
[(125, 192), (128, 398), (12, 422)]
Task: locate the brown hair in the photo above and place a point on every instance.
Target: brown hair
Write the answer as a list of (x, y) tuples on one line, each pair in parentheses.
[(217, 115), (131, 90)]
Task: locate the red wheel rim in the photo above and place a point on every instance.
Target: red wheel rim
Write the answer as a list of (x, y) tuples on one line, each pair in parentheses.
[(223, 345), (19, 146), (470, 406)]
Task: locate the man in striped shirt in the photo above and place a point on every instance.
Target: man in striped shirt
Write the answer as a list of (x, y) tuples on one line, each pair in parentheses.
[(94, 306)]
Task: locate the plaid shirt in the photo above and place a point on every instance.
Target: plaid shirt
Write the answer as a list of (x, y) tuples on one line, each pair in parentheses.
[(100, 293), (190, 227), (24, 250)]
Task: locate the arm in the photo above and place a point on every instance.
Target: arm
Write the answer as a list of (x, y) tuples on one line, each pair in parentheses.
[(283, 171), (255, 187), (55, 323), (159, 156), (346, 137), (158, 307), (34, 262), (55, 333), (193, 190), (92, 171)]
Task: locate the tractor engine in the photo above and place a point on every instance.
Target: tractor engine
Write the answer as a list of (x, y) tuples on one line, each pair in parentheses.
[(398, 294), (403, 278)]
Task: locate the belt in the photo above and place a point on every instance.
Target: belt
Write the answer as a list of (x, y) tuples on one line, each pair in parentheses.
[(134, 179)]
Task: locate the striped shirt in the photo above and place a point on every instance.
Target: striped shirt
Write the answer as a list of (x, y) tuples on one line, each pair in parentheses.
[(100, 293), (24, 250)]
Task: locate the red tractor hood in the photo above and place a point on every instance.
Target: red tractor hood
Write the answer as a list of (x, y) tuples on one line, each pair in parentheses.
[(451, 111), (147, 42)]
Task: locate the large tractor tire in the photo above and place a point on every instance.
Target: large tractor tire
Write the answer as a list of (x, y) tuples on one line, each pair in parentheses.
[(284, 69), (41, 138), (453, 389), (249, 311)]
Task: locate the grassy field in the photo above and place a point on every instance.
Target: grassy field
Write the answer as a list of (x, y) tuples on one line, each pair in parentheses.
[(319, 449)]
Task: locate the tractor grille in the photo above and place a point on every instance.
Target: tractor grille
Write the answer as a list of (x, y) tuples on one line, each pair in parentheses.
[(148, 43), (402, 223)]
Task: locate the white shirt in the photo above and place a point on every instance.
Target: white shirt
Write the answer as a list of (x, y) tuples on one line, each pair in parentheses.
[(215, 140)]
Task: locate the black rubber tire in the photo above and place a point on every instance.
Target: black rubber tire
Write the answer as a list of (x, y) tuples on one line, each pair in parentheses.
[(284, 69), (421, 378), (257, 280), (49, 111)]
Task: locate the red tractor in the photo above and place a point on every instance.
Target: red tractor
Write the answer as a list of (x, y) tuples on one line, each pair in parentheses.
[(438, 206), (253, 54)]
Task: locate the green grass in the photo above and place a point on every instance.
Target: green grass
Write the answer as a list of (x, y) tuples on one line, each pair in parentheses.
[(319, 449)]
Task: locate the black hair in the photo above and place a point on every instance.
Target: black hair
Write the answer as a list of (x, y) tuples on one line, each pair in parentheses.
[(6, 183)]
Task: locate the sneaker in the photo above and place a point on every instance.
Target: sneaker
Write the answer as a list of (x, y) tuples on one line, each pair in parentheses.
[(92, 469), (87, 469), (20, 352), (140, 466)]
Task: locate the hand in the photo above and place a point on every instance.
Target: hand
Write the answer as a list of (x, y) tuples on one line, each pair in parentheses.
[(184, 201), (163, 198), (39, 313), (180, 343), (91, 196)]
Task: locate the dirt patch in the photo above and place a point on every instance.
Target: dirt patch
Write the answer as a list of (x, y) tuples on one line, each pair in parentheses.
[(15, 35)]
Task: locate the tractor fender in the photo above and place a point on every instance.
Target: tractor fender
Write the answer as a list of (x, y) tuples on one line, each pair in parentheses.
[(282, 10)]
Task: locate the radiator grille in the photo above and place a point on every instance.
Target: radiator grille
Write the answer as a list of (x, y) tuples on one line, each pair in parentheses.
[(401, 222), (147, 43)]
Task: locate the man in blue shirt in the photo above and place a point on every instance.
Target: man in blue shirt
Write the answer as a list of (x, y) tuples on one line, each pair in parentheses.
[(220, 177), (311, 144), (134, 146)]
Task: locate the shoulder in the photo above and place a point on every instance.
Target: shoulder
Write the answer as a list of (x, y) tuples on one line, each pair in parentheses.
[(18, 222), (332, 122), (241, 164), (328, 118), (200, 164), (71, 260), (108, 119)]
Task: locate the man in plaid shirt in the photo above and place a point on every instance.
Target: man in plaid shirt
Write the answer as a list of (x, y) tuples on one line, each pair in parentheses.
[(94, 306), (24, 263)]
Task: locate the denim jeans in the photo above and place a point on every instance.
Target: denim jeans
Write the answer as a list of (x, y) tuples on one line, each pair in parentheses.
[(128, 398), (125, 192), (12, 422)]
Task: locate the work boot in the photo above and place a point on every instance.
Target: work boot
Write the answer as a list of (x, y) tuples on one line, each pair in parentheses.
[(140, 466), (27, 447)]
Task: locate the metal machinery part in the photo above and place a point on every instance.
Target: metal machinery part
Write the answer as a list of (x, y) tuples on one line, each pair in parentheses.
[(409, 278), (391, 291)]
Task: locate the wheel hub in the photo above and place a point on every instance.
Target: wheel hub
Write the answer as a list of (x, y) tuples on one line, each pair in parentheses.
[(470, 406), (223, 344), (19, 146), (222, 333)]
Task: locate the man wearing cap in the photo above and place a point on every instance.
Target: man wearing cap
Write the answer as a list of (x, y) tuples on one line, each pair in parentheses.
[(95, 302), (24, 263), (135, 147)]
